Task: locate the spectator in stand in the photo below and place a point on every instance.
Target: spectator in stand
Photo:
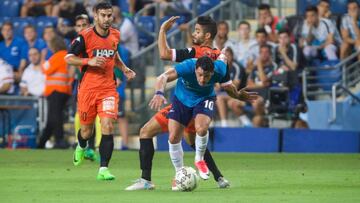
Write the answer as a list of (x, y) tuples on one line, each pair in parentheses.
[(128, 33), (49, 34), (57, 92), (325, 14), (224, 101), (254, 50), (6, 78), (259, 81), (245, 41), (32, 40), (317, 36), (33, 80), (68, 9), (286, 57), (11, 50), (267, 21), (36, 8), (350, 31), (324, 9), (221, 39)]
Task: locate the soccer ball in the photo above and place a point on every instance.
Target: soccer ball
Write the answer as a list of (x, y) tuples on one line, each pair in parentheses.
[(186, 179)]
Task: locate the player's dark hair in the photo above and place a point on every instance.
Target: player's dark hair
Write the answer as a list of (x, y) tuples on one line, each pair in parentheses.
[(205, 63), (82, 17), (261, 31), (353, 1), (208, 25), (102, 5), (264, 7), (244, 22), (312, 9)]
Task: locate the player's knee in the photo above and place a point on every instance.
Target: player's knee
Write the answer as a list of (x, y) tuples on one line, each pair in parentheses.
[(107, 127), (201, 129), (144, 133), (174, 139), (86, 132)]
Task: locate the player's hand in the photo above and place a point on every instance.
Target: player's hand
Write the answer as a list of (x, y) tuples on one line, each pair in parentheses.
[(244, 95), (97, 61), (130, 74), (157, 101), (166, 26)]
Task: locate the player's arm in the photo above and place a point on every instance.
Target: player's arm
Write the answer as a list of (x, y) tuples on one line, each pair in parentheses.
[(78, 47), (159, 98), (164, 49), (130, 74)]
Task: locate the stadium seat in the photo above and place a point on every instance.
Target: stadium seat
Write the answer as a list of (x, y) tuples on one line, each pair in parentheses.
[(327, 77), (19, 24), (205, 5), (146, 23), (10, 8), (44, 21), (124, 6)]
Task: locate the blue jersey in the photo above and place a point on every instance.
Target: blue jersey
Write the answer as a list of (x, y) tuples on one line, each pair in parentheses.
[(13, 53), (188, 90), (39, 44)]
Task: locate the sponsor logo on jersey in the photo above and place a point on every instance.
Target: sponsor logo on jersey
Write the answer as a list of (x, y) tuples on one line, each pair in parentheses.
[(108, 53)]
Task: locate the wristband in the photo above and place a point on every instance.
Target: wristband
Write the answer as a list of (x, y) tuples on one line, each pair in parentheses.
[(85, 61), (159, 93)]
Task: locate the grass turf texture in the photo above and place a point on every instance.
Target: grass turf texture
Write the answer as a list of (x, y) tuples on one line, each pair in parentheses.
[(49, 176)]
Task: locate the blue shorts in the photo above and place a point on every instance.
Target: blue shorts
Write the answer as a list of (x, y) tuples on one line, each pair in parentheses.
[(183, 114)]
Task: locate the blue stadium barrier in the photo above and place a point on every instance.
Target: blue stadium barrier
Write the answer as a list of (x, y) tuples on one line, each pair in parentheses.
[(20, 23), (246, 140), (162, 143), (44, 21), (320, 141), (147, 23), (10, 8)]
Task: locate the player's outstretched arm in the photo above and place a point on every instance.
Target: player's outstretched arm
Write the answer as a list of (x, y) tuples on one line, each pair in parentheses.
[(164, 49), (159, 99), (242, 95), (130, 74)]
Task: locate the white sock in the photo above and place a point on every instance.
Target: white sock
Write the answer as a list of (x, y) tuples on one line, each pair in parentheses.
[(245, 120), (102, 168), (176, 155), (223, 123), (200, 146)]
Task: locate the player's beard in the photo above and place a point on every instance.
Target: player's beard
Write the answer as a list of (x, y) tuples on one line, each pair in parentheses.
[(105, 26), (197, 42)]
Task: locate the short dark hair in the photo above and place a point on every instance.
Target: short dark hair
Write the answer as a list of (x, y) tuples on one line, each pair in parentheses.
[(311, 9), (261, 31), (205, 63), (266, 46), (9, 23), (352, 1), (244, 22), (102, 5), (208, 24), (29, 26), (82, 17), (264, 7), (284, 30), (325, 1), (223, 22), (230, 51)]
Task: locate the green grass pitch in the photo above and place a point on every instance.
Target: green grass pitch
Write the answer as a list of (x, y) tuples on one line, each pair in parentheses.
[(49, 176)]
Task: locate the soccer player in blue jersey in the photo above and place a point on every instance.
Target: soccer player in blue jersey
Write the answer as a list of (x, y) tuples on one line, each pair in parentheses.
[(194, 98)]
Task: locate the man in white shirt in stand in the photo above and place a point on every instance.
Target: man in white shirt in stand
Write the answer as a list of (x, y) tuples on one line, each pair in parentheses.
[(33, 80)]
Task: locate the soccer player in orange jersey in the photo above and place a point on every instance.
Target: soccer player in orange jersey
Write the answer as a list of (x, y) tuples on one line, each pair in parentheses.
[(97, 94), (202, 38)]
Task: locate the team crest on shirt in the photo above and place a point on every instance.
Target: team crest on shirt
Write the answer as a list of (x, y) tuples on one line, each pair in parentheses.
[(108, 53)]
